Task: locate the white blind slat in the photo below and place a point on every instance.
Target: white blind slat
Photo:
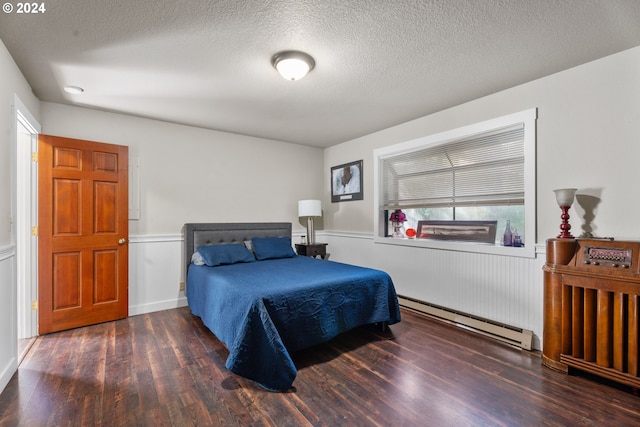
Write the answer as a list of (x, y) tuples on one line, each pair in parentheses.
[(485, 169)]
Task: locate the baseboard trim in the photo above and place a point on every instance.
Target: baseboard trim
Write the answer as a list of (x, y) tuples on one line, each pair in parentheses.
[(8, 372), (7, 252), (136, 310)]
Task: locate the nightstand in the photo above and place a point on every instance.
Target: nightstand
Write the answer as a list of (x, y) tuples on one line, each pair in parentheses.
[(312, 250)]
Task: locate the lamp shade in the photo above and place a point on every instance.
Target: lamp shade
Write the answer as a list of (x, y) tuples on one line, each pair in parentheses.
[(309, 208), (565, 196)]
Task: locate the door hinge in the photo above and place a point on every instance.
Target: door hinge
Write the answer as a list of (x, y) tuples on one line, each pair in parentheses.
[(34, 156), (34, 230), (34, 305)]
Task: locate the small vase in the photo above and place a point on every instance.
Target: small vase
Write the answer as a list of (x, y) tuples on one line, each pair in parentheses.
[(397, 232)]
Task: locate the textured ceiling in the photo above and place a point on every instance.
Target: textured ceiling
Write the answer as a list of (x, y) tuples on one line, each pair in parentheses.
[(378, 63)]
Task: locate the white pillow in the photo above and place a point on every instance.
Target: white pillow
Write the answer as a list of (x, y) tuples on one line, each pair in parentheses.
[(196, 258)]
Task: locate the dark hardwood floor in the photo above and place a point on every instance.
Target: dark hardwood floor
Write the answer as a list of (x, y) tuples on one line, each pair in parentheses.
[(166, 368)]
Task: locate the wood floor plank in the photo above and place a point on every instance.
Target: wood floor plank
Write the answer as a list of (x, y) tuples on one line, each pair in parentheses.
[(166, 368)]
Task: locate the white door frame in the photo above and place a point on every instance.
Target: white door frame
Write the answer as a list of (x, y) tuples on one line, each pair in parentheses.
[(24, 216)]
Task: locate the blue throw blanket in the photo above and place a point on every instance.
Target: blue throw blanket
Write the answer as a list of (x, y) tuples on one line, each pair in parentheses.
[(265, 309)]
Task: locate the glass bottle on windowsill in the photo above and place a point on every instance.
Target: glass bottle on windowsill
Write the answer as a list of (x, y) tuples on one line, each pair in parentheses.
[(517, 240), (508, 236)]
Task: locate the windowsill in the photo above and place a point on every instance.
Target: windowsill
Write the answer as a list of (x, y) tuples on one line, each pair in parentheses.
[(448, 245)]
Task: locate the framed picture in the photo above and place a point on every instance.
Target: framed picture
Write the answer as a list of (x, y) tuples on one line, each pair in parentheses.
[(346, 182), (470, 231)]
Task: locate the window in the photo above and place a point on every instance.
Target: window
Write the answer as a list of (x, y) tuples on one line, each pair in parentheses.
[(484, 171)]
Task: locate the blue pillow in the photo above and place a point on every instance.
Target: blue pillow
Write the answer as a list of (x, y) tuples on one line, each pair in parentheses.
[(272, 247), (232, 253)]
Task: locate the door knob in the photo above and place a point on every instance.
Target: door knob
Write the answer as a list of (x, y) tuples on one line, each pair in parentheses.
[(122, 241)]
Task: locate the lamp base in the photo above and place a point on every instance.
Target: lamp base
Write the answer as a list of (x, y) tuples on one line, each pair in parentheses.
[(311, 232), (565, 226)]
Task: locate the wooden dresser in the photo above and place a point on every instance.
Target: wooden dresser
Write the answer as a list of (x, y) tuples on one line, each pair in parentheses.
[(592, 308)]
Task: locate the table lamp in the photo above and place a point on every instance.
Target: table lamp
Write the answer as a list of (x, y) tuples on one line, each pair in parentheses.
[(564, 197), (310, 209)]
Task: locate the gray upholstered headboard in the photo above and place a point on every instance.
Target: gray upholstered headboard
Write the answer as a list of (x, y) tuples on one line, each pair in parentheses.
[(199, 234)]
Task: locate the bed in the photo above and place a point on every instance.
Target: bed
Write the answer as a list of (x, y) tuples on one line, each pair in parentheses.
[(267, 308)]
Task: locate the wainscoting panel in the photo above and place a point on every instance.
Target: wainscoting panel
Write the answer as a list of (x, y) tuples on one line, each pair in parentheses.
[(155, 273), (156, 270), (500, 288), (8, 316)]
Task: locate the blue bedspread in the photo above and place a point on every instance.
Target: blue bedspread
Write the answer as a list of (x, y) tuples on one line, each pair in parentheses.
[(265, 309)]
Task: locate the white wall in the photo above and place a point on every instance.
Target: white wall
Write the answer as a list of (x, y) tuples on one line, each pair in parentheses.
[(12, 83), (191, 175), (588, 129), (8, 316)]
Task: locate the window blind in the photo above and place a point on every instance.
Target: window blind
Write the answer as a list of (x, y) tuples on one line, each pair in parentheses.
[(483, 169)]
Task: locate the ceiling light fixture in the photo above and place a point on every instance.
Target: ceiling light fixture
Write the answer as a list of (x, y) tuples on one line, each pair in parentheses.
[(74, 90), (293, 65)]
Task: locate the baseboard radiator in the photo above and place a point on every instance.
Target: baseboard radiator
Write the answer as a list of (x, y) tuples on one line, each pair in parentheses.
[(522, 338)]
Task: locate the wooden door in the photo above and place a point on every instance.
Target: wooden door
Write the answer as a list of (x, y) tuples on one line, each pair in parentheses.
[(82, 233)]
